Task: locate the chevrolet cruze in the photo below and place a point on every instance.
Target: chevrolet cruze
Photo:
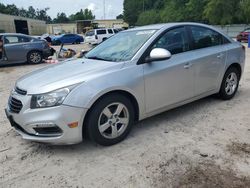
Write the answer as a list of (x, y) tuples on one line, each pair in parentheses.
[(131, 76)]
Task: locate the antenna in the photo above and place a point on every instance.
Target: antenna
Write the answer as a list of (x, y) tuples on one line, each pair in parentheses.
[(104, 9)]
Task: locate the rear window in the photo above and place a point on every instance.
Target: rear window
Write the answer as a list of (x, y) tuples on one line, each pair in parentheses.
[(90, 33), (101, 32)]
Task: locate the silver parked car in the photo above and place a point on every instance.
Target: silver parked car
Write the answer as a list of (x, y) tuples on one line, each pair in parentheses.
[(20, 48), (131, 76)]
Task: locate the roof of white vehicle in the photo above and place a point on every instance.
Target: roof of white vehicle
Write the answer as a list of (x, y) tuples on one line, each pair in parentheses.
[(166, 25)]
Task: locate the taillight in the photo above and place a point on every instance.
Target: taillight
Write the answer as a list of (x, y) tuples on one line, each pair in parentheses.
[(96, 37)]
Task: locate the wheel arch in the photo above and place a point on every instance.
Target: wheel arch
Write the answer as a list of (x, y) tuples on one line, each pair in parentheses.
[(125, 93), (118, 91), (237, 66)]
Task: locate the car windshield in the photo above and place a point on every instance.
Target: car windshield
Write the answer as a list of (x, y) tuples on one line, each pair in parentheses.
[(121, 47), (90, 33)]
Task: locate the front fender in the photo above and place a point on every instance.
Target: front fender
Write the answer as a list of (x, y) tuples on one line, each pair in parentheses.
[(84, 95)]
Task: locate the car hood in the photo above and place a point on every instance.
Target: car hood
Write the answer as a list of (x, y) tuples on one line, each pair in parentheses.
[(64, 74)]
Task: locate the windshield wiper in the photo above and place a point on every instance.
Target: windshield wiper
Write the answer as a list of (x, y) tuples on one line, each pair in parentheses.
[(98, 58)]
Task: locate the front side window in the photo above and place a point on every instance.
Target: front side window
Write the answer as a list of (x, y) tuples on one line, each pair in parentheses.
[(204, 37), (23, 39), (175, 41), (121, 47)]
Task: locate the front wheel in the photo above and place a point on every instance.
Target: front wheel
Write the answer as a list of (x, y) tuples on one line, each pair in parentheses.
[(230, 84), (110, 120)]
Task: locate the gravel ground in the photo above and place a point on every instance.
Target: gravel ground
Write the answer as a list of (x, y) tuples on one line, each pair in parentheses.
[(202, 144)]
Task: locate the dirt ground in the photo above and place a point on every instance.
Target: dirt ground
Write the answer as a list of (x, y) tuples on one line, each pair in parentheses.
[(202, 144)]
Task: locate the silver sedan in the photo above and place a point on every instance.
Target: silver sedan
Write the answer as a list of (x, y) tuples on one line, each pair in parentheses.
[(131, 76)]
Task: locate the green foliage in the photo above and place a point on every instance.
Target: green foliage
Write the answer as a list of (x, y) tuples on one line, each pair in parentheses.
[(148, 17), (221, 12), (120, 16), (40, 14), (85, 14), (245, 11)]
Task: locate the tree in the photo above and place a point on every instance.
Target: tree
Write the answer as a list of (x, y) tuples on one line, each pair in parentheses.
[(85, 14), (221, 11), (29, 13), (132, 10), (120, 16), (41, 14), (61, 18), (244, 15), (148, 17)]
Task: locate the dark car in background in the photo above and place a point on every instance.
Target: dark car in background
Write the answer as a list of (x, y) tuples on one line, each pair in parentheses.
[(243, 36), (20, 48), (67, 39)]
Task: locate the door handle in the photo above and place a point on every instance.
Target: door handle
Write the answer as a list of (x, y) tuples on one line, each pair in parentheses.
[(220, 55), (187, 65)]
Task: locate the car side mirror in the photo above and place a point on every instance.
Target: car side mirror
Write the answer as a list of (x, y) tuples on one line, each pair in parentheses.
[(158, 54)]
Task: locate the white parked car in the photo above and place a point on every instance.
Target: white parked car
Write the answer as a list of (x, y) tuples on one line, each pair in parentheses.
[(97, 36)]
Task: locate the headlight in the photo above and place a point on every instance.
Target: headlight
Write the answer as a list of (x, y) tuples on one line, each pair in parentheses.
[(54, 98)]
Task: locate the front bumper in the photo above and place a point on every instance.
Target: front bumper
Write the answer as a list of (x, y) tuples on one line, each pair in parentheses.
[(27, 120)]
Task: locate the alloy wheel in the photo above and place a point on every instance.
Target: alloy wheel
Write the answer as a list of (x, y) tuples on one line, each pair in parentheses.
[(113, 120)]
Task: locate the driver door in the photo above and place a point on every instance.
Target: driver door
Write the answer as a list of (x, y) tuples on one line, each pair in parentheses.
[(171, 81)]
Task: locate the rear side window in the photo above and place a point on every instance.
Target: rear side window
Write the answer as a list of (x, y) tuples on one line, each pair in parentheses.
[(101, 32), (175, 41), (110, 31), (204, 37)]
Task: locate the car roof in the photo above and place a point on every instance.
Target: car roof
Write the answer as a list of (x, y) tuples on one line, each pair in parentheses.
[(168, 25), (16, 34)]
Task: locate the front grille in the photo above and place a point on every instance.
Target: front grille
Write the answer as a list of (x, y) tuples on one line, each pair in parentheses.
[(20, 91), (15, 105)]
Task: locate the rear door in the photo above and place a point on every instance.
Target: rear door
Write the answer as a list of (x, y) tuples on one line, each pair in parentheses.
[(15, 48), (210, 57)]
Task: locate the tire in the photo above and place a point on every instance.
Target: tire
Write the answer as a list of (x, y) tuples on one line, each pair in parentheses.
[(104, 39), (77, 42), (230, 84), (57, 42), (102, 122), (34, 57)]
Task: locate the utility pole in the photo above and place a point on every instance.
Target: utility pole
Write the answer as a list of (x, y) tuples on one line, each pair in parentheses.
[(104, 9)]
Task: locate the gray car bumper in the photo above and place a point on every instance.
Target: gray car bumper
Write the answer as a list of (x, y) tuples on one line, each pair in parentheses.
[(26, 122)]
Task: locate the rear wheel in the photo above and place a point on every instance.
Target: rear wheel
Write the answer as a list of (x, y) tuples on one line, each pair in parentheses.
[(230, 84), (110, 120), (34, 57), (77, 42)]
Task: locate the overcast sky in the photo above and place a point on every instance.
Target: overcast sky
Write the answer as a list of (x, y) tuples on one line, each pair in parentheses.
[(113, 7)]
